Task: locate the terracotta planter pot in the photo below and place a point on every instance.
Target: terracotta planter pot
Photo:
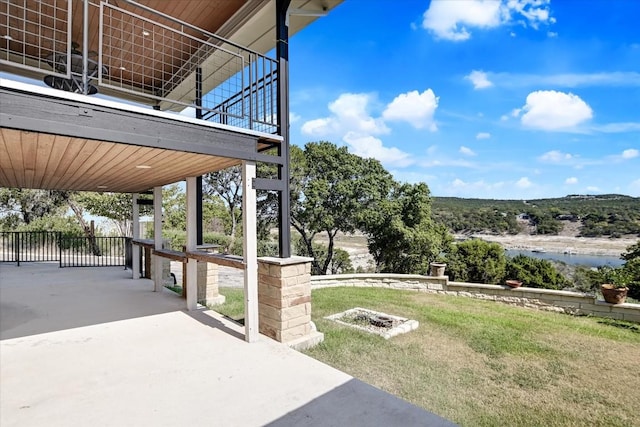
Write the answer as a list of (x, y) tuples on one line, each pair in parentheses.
[(613, 295), (513, 283), (437, 269)]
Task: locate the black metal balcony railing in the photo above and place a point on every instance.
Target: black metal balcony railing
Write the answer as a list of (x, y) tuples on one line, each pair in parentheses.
[(68, 251), (140, 54)]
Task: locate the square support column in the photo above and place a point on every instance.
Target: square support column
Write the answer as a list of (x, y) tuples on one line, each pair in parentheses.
[(192, 264), (284, 294), (208, 292), (135, 249), (158, 280), (250, 252)]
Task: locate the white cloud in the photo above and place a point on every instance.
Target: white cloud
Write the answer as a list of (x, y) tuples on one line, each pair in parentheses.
[(618, 127), (572, 180), (483, 135), (593, 188), (479, 79), (350, 113), (293, 117), (351, 120), (452, 20), (555, 156), (466, 151), (630, 153), (552, 110), (469, 189), (523, 182), (570, 80), (368, 146), (415, 108), (552, 34)]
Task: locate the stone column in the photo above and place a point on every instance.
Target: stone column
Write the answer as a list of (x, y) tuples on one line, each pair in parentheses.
[(284, 301), (208, 284)]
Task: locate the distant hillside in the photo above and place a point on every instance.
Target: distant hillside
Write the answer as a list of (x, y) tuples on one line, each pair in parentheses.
[(611, 215)]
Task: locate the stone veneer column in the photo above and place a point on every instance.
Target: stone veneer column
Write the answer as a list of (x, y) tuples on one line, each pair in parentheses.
[(208, 284), (284, 301)]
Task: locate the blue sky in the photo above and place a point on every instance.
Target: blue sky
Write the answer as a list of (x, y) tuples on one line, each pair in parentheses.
[(512, 99)]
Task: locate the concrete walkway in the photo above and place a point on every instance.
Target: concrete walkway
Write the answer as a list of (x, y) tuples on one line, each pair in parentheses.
[(91, 347)]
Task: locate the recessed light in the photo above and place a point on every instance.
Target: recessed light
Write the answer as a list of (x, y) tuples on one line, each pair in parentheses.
[(143, 167), (102, 187), (7, 37), (122, 68), (145, 33)]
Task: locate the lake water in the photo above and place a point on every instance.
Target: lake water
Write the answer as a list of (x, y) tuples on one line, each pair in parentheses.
[(588, 260)]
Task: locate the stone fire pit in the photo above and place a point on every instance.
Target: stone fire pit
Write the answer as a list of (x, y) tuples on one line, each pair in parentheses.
[(374, 322)]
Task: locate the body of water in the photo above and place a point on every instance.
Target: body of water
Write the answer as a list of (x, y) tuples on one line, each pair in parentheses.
[(588, 260)]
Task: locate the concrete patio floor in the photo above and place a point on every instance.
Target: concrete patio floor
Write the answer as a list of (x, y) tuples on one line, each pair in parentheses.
[(91, 347)]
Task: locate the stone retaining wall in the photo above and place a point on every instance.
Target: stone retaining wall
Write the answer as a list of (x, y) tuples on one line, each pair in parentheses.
[(575, 303)]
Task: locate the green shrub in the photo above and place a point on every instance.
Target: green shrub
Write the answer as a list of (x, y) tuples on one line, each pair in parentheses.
[(476, 261), (535, 273)]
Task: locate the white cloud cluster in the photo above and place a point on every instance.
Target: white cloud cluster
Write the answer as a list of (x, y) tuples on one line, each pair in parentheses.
[(479, 79), (524, 182), (555, 156), (630, 153), (452, 20), (553, 110), (483, 135), (571, 180), (415, 108), (350, 113), (368, 146), (352, 121), (466, 151)]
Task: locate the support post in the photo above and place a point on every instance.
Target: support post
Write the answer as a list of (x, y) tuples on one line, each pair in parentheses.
[(157, 238), (199, 237), (250, 251), (192, 264), (282, 54), (135, 249), (85, 47)]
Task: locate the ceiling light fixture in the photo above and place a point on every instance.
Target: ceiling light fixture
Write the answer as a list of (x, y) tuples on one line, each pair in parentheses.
[(143, 167)]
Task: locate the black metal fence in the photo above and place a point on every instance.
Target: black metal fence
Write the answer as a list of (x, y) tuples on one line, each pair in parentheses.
[(50, 246)]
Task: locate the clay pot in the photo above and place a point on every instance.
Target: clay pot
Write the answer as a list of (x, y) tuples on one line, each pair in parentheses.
[(513, 283), (437, 269), (613, 295)]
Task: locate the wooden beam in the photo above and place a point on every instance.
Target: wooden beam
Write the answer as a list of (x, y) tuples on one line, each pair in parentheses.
[(225, 260), (170, 254)]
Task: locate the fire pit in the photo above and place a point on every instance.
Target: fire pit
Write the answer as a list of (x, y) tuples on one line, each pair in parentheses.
[(374, 322)]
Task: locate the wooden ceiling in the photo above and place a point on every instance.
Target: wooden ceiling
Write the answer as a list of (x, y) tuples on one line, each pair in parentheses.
[(41, 160)]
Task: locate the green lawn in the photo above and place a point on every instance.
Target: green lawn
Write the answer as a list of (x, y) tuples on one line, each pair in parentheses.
[(483, 363)]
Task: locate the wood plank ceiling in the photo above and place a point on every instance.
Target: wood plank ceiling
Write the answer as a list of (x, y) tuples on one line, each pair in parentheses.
[(41, 160)]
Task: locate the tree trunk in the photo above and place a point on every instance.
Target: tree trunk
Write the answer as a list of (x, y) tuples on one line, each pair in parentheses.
[(88, 231), (327, 261)]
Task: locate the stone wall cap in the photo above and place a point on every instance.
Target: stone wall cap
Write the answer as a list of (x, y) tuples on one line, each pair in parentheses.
[(285, 261), (375, 276)]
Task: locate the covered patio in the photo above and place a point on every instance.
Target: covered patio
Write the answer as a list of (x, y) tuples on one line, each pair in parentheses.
[(91, 346)]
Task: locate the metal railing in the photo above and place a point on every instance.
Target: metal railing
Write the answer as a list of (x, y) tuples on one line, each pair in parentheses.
[(68, 251), (141, 54), (29, 246)]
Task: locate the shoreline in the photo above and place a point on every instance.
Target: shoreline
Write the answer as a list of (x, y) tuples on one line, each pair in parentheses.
[(601, 246)]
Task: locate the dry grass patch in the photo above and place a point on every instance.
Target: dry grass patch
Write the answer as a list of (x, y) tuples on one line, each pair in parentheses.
[(482, 363)]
